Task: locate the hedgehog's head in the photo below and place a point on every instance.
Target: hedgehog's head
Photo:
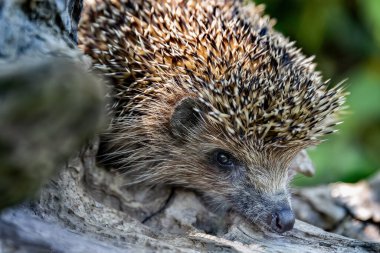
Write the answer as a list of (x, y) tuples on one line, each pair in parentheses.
[(232, 172), (235, 138)]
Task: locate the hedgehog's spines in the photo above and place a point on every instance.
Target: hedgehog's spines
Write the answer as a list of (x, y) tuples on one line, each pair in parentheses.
[(250, 78)]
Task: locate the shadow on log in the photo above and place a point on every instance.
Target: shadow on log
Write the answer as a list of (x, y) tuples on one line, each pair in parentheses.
[(49, 103)]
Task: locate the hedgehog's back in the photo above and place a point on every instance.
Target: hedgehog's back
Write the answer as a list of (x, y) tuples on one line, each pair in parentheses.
[(154, 38)]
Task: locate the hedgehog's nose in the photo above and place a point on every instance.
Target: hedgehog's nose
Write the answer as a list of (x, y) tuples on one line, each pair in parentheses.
[(282, 220)]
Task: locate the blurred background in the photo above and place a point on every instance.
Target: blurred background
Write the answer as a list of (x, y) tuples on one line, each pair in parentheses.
[(344, 35)]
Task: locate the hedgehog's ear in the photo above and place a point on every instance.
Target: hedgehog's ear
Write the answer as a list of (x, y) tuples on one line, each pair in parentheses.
[(184, 118)]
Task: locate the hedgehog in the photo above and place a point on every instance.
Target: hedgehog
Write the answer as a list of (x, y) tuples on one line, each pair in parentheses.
[(206, 95)]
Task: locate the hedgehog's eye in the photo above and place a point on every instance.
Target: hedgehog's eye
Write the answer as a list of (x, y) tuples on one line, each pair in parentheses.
[(224, 159)]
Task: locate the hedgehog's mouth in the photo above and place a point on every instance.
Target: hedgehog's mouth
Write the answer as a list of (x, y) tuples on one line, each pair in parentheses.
[(274, 216)]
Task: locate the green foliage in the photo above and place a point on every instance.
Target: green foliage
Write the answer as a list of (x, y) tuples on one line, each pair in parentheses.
[(345, 37)]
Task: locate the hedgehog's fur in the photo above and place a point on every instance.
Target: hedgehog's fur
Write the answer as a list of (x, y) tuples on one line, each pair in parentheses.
[(253, 93)]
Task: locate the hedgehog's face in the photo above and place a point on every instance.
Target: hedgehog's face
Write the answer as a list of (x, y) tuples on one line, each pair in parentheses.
[(236, 174), (255, 185)]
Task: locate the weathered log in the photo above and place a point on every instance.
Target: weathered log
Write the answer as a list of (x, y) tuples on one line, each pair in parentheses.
[(352, 210)]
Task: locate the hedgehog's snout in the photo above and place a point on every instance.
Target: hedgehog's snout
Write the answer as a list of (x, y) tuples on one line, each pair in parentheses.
[(272, 212), (281, 220)]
